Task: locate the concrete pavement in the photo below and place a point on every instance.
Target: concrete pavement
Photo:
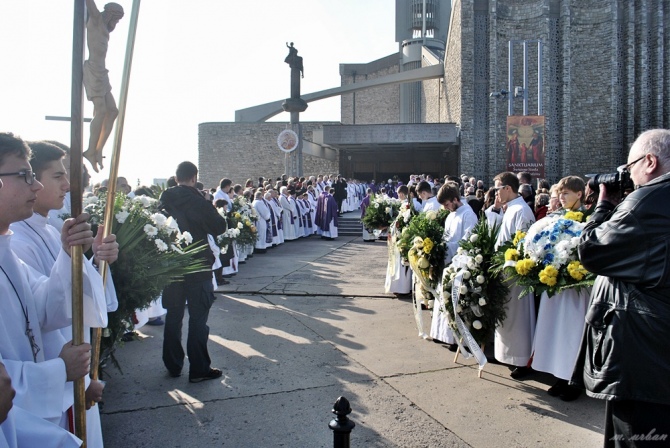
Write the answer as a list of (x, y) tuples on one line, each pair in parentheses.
[(305, 323)]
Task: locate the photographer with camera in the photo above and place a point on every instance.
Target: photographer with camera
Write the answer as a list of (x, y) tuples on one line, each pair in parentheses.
[(624, 357)]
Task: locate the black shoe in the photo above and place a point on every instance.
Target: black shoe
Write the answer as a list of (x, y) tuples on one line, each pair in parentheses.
[(570, 393), (521, 372), (174, 373), (211, 375), (558, 388), (452, 347), (222, 281), (437, 341)]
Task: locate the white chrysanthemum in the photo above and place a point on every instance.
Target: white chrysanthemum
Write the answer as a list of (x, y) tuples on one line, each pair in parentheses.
[(160, 244), (479, 259), (424, 263), (466, 275), (90, 201), (150, 230), (431, 215), (159, 219), (481, 279), (463, 289), (482, 301), (171, 225), (186, 237), (388, 210), (240, 225), (474, 237), (122, 216), (146, 201), (477, 325), (224, 249), (376, 204)]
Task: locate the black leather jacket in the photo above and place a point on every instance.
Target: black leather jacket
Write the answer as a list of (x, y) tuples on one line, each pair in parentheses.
[(625, 348)]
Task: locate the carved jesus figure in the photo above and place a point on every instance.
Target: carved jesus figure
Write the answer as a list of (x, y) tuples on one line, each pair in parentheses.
[(96, 78)]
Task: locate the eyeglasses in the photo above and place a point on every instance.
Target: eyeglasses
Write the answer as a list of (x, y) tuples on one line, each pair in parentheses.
[(27, 175), (497, 189), (627, 167)]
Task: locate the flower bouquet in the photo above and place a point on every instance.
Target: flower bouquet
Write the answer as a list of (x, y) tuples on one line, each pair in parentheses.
[(235, 226), (545, 258), (380, 213), (152, 254), (244, 214), (420, 243), (474, 295)]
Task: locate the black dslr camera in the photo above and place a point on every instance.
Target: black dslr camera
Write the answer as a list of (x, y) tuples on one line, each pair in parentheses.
[(619, 182)]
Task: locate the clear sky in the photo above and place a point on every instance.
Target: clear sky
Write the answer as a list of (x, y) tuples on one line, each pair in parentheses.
[(194, 61)]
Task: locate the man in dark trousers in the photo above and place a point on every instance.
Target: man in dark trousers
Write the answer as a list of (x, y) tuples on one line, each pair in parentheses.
[(196, 215), (340, 192)]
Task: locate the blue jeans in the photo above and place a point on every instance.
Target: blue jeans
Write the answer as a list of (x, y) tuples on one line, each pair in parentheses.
[(200, 297)]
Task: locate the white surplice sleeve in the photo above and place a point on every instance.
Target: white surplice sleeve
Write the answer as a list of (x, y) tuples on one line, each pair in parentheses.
[(53, 295), (39, 386)]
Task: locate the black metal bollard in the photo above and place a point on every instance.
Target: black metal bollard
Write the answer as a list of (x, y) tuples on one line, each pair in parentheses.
[(341, 425)]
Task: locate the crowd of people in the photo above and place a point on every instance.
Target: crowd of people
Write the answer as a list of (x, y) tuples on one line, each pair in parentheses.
[(609, 340)]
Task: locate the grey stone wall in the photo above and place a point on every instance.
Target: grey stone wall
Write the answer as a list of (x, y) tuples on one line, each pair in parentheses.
[(372, 106), (241, 151), (605, 78)]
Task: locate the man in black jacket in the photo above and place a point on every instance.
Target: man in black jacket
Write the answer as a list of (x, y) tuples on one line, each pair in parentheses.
[(624, 357), (195, 215)]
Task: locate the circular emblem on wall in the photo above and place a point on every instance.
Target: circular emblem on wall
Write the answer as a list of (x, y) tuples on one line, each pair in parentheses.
[(287, 140)]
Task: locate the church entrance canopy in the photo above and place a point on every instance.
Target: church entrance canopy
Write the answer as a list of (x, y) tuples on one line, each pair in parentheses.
[(381, 151)]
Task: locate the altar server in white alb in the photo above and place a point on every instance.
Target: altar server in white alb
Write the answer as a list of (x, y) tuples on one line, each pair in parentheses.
[(398, 274), (428, 200), (560, 319), (34, 304), (514, 339), (20, 428), (36, 243), (288, 215), (263, 225), (458, 225)]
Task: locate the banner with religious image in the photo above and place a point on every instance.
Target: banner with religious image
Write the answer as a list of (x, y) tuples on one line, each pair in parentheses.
[(524, 149)]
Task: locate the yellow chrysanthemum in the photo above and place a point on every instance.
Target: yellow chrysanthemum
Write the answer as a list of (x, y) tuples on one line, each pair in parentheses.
[(523, 267), (237, 215), (549, 275), (511, 254), (247, 223), (547, 280), (576, 270), (428, 245), (518, 236), (575, 216)]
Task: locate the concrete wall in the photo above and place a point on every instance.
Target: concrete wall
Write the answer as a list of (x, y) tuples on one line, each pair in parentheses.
[(372, 106), (241, 151)]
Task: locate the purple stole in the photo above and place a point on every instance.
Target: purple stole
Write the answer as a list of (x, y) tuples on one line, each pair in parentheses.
[(308, 215), (273, 226), (280, 225), (364, 205)]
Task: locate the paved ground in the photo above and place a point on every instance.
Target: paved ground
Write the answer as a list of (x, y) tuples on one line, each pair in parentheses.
[(308, 322)]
